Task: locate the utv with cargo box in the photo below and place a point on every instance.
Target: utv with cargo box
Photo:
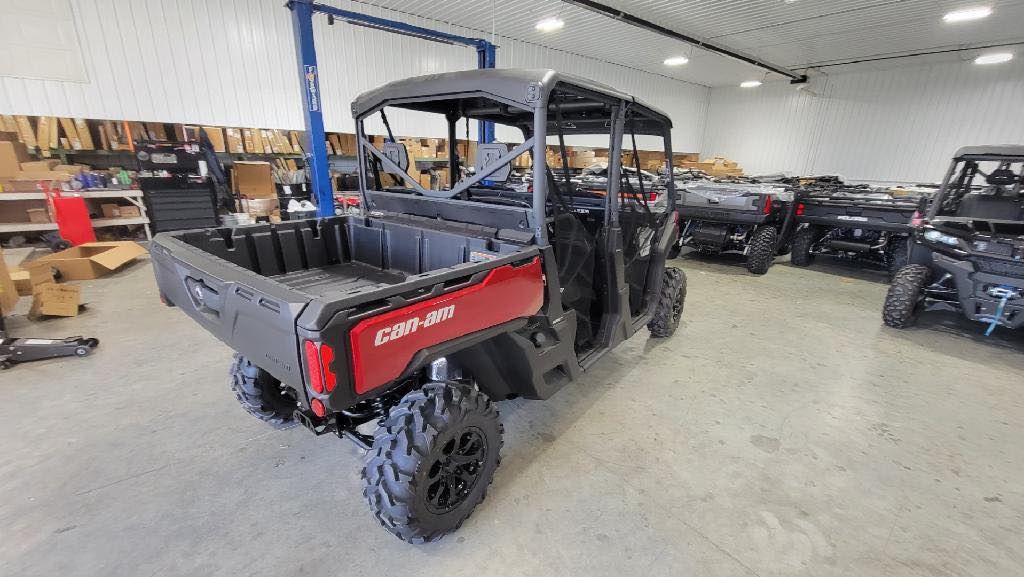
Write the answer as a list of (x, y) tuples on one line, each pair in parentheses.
[(414, 317), (967, 255), (853, 223), (749, 219)]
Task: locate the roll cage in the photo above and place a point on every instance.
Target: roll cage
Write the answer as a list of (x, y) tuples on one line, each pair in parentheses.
[(540, 104)]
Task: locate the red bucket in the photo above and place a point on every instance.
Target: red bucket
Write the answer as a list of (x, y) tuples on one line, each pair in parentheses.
[(71, 214)]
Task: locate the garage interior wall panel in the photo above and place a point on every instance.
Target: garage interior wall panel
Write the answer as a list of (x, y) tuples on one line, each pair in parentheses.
[(897, 125), (232, 63)]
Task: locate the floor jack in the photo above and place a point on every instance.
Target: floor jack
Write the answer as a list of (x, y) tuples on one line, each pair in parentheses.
[(14, 350)]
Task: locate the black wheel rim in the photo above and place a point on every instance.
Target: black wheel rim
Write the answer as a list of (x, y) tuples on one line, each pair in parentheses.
[(455, 470)]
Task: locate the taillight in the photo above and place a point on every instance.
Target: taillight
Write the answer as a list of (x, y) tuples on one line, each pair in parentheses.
[(917, 219), (313, 368), (800, 208), (326, 358), (318, 407), (767, 205), (652, 197)]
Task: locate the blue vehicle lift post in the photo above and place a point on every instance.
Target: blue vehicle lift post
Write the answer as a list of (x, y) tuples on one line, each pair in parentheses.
[(305, 50)]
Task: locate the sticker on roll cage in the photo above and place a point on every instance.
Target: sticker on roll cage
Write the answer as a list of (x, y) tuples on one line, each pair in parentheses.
[(407, 327)]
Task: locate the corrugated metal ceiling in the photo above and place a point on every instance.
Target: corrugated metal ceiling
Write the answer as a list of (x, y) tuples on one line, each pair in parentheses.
[(794, 34)]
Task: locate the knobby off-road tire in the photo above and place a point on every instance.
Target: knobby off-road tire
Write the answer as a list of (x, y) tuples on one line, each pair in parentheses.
[(260, 394), (802, 241), (904, 297), (761, 251), (432, 460), (899, 254), (669, 308)]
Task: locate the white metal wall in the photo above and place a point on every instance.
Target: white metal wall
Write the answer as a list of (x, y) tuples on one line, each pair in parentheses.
[(232, 63), (898, 125)]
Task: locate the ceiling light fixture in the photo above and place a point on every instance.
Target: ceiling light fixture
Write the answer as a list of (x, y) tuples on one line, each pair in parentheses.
[(676, 61), (994, 58), (967, 14), (550, 24), (750, 84)]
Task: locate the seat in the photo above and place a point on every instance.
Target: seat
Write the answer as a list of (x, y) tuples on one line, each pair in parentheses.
[(990, 207)]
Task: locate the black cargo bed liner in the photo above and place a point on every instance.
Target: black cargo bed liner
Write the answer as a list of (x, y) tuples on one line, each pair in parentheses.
[(344, 277)]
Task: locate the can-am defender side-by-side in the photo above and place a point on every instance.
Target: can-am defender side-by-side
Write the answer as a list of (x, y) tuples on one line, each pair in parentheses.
[(749, 219), (855, 223), (416, 316), (968, 253)]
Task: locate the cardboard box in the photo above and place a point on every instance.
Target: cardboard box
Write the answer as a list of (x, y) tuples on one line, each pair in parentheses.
[(38, 215), (12, 154), (12, 185), (253, 179), (55, 300), (39, 165), (110, 210), (348, 144), (70, 168), (43, 175), (259, 206), (8, 291), (234, 140), (216, 136), (26, 280), (130, 211), (247, 140), (90, 260)]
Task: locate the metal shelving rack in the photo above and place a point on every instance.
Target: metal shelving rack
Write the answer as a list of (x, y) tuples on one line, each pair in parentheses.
[(134, 196)]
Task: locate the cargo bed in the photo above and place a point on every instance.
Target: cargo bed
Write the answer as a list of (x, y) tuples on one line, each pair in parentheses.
[(857, 211), (257, 287)]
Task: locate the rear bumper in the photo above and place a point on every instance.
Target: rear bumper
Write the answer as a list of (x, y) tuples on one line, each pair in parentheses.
[(722, 216), (869, 224)]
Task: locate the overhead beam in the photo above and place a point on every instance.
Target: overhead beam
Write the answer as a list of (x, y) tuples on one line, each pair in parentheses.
[(634, 20)]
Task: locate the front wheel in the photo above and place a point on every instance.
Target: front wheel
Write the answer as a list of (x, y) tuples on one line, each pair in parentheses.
[(432, 460), (668, 310), (761, 251), (904, 296)]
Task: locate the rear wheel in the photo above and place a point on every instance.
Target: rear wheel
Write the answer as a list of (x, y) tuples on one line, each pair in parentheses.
[(802, 242), (898, 254), (905, 295), (260, 394), (761, 251), (668, 310), (432, 460)]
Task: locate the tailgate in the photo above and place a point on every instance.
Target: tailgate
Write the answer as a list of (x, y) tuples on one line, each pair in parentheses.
[(884, 215), (251, 314)]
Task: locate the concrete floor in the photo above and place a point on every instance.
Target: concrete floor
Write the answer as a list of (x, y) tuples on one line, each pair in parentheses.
[(782, 431)]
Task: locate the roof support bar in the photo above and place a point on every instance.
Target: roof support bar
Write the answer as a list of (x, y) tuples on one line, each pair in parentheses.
[(305, 49), (706, 45)]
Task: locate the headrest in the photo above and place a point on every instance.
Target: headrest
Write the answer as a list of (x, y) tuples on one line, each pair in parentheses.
[(488, 154), (397, 153)]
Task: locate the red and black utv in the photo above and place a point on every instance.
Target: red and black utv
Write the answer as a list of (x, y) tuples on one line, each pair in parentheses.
[(414, 316)]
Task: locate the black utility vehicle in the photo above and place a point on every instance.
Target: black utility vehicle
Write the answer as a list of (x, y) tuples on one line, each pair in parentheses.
[(968, 254), (853, 222), (414, 317), (749, 219)]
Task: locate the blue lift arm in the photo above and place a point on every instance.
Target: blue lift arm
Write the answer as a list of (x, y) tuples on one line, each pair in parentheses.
[(305, 50)]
